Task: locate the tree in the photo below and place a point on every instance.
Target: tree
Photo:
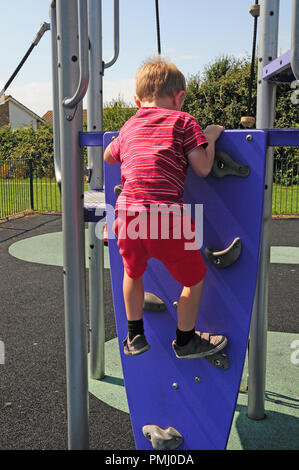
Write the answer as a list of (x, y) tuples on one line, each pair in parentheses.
[(220, 96)]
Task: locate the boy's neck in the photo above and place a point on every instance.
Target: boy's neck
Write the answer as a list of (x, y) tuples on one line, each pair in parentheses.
[(165, 102), (169, 102)]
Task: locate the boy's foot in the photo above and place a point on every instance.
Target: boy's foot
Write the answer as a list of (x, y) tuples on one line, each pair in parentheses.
[(200, 345), (138, 345)]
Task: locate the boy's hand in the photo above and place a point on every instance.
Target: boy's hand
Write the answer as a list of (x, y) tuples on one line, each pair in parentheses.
[(213, 131)]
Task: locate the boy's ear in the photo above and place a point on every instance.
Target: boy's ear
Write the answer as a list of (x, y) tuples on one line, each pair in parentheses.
[(137, 101), (179, 98)]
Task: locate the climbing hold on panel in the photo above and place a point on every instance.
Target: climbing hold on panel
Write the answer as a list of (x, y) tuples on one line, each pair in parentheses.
[(118, 189), (153, 303), (224, 258), (224, 165), (162, 439), (219, 360)]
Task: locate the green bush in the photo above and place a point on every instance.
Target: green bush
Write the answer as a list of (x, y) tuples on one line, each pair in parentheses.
[(219, 95), (115, 114), (28, 143)]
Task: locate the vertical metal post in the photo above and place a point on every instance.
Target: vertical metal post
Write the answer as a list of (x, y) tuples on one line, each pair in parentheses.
[(295, 39), (266, 98), (95, 163), (56, 136), (69, 56)]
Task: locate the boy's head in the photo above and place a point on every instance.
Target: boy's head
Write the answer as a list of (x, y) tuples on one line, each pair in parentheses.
[(158, 78)]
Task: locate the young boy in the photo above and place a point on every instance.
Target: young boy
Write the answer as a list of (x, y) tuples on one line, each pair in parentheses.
[(155, 147)]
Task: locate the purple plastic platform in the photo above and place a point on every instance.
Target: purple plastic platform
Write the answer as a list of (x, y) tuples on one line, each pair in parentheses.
[(200, 409)]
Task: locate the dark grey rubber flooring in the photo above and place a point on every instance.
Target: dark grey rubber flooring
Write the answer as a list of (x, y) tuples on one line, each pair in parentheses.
[(32, 380)]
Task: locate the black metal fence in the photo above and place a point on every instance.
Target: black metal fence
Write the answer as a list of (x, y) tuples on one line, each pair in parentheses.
[(285, 187), (26, 185)]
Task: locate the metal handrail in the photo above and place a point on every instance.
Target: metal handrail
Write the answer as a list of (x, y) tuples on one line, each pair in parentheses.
[(295, 39), (56, 135), (116, 36), (83, 57)]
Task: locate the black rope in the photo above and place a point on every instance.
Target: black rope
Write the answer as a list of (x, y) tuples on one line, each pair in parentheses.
[(249, 104), (158, 27)]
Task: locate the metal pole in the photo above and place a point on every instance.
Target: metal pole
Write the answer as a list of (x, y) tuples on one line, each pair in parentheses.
[(95, 163), (43, 28), (56, 127), (295, 39), (158, 27), (70, 121), (266, 98)]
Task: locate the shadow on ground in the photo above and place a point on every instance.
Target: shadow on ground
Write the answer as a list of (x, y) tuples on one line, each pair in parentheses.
[(278, 430)]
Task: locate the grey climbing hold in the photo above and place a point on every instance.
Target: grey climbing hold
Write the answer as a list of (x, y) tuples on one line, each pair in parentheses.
[(219, 360), (162, 439), (153, 303), (226, 257), (118, 189), (224, 165)]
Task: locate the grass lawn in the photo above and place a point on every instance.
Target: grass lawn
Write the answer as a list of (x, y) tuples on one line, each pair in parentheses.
[(15, 197), (285, 199)]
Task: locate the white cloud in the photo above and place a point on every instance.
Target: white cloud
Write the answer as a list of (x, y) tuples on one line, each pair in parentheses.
[(123, 88), (240, 55)]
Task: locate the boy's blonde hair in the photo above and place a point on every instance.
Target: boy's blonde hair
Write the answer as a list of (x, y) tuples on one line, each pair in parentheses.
[(157, 78)]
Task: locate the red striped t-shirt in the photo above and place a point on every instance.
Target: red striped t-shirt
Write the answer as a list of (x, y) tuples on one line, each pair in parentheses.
[(152, 148)]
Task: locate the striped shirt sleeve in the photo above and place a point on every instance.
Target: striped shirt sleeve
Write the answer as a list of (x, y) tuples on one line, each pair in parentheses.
[(115, 149), (193, 136)]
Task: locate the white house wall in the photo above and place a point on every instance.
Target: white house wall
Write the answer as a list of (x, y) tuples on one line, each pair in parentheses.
[(20, 118)]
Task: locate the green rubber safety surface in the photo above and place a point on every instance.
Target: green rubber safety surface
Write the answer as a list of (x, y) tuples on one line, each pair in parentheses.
[(47, 249), (279, 430)]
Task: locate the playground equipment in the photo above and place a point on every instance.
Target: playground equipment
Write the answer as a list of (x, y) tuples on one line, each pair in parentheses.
[(197, 397), (77, 62)]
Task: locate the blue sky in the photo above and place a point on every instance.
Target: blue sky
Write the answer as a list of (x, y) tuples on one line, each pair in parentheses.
[(193, 34)]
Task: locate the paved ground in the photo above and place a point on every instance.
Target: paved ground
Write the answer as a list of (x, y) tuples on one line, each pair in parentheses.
[(32, 380)]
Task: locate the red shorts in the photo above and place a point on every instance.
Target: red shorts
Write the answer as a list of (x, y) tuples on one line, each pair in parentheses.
[(139, 239)]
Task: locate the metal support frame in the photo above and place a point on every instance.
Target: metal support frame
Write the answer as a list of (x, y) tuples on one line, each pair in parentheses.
[(295, 39), (72, 81), (72, 52), (266, 98), (95, 164)]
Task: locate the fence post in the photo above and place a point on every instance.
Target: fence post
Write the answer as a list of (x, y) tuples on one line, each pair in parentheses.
[(31, 184)]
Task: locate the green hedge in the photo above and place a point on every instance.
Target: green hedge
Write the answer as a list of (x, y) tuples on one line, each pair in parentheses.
[(218, 95)]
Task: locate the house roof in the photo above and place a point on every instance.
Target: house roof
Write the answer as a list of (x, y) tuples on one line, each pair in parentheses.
[(7, 98), (48, 116)]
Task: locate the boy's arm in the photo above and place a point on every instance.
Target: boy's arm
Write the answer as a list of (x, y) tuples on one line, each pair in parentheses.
[(201, 159), (108, 156)]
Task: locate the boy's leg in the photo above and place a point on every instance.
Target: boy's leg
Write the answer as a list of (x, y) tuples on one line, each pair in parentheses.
[(133, 297), (190, 344), (133, 290), (188, 306)]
